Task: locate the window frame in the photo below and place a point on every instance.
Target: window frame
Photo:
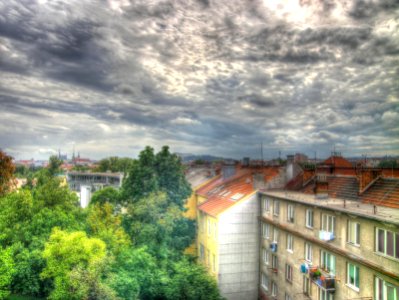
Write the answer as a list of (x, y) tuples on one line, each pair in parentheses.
[(326, 224), (265, 256), (266, 205), (384, 292), (353, 240), (309, 218), (326, 265), (395, 243), (209, 227), (274, 289), (356, 276), (266, 230), (290, 213), (275, 235), (308, 252), (290, 243), (289, 273), (274, 262), (276, 208), (265, 282)]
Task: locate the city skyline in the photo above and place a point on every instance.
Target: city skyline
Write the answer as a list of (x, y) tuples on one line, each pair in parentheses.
[(204, 77)]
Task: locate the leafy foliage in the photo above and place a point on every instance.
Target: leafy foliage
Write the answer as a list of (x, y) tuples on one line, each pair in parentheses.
[(6, 272), (75, 263), (125, 245), (115, 164)]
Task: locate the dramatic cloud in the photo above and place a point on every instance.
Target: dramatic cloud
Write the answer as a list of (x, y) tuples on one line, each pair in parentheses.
[(205, 76)]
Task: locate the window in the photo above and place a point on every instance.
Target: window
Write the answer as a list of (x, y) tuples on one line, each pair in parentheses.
[(327, 262), (325, 295), (387, 242), (353, 276), (353, 233), (309, 218), (275, 235), (209, 227), (265, 282), (306, 286), (266, 230), (265, 255), (290, 213), (208, 257), (274, 289), (276, 207), (290, 243), (328, 223), (213, 263), (308, 252), (288, 297), (266, 204), (214, 230), (202, 252), (288, 272), (274, 262), (385, 290)]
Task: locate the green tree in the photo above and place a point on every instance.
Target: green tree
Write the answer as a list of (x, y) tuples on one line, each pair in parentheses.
[(54, 165), (6, 272), (161, 172), (6, 173), (191, 281), (76, 264), (106, 195), (104, 224), (114, 164)]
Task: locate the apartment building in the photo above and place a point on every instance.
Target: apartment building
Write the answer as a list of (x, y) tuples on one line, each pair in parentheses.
[(227, 238), (318, 247)]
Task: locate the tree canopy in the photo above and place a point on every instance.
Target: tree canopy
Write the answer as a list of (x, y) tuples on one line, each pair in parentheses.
[(126, 244), (6, 172)]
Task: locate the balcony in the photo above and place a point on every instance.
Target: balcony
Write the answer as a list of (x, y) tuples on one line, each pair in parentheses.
[(326, 235), (322, 279)]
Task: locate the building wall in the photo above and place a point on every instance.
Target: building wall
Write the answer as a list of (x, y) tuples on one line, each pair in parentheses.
[(207, 236), (346, 252), (238, 256)]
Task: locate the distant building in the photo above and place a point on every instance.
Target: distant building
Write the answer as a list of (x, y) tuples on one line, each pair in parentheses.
[(84, 183)]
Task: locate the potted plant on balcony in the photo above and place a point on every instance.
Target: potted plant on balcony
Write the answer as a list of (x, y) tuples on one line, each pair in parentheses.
[(315, 274)]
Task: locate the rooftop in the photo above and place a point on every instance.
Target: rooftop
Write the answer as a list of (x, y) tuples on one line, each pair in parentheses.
[(358, 208), (223, 193)]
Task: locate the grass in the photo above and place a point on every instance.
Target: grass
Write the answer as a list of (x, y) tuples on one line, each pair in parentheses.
[(20, 297)]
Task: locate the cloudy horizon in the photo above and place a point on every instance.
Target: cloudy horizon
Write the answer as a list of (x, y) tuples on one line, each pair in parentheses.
[(206, 77)]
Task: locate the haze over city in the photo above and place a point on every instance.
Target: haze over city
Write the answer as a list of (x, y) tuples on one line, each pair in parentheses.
[(215, 77)]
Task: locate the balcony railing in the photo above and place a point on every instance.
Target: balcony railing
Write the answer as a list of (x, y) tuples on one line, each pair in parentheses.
[(322, 279)]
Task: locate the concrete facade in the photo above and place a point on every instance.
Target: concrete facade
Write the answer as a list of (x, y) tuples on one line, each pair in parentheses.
[(227, 246), (349, 256)]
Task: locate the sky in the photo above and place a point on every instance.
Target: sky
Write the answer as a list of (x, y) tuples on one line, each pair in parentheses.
[(224, 77)]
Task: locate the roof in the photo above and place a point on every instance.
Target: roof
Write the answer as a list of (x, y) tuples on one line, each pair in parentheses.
[(338, 161), (198, 176), (339, 186), (384, 191), (224, 193), (384, 214)]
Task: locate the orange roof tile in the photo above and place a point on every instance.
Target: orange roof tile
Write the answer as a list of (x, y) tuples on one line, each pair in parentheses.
[(338, 162), (224, 193)]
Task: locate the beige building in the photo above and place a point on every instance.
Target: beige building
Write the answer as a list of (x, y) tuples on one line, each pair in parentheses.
[(330, 248)]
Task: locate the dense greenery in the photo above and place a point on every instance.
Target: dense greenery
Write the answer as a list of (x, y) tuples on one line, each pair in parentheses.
[(115, 164), (127, 244)]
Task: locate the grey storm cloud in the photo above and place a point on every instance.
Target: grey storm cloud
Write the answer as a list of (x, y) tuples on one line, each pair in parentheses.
[(218, 77)]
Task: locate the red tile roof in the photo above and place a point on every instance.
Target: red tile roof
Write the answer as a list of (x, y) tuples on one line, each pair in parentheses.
[(224, 193), (385, 192), (338, 162)]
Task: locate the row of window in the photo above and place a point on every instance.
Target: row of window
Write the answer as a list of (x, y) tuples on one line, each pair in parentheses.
[(205, 257), (383, 290), (386, 242), (206, 225)]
